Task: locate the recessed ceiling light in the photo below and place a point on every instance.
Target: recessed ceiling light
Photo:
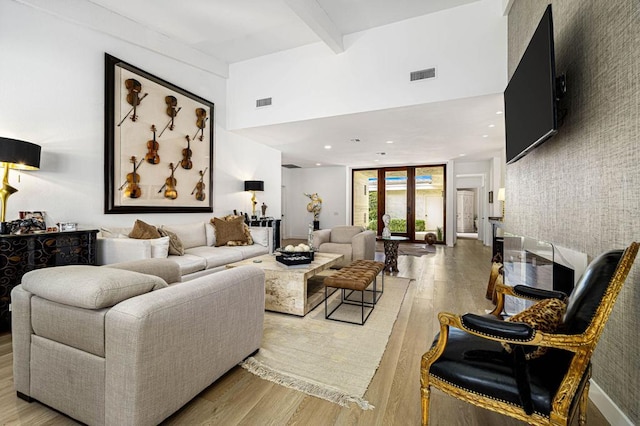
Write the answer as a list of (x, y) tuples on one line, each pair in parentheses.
[(492, 125), (318, 164), (461, 155), (376, 160), (381, 153), (389, 142), (498, 112), (485, 136), (327, 147)]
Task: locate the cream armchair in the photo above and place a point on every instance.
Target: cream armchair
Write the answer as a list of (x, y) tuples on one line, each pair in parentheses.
[(354, 242)]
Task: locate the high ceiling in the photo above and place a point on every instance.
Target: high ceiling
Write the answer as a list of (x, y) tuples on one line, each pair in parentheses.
[(228, 31), (235, 30)]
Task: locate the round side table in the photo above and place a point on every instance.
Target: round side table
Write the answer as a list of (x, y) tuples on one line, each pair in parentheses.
[(391, 252)]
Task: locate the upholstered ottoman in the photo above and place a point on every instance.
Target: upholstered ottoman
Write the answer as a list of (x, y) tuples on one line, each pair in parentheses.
[(353, 279)]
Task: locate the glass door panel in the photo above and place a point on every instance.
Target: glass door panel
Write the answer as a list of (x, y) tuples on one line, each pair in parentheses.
[(395, 200), (365, 199), (429, 202), (413, 196)]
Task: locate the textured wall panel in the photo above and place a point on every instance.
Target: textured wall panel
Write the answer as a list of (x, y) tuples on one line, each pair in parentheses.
[(581, 188)]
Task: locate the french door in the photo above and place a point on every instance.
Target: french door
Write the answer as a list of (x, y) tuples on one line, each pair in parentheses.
[(413, 197)]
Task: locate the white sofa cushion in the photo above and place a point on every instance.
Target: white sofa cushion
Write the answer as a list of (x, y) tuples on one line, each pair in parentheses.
[(251, 251), (189, 263), (116, 250), (191, 234), (88, 286), (216, 256)]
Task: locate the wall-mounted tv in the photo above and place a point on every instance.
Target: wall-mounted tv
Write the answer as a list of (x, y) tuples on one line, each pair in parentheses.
[(530, 99)]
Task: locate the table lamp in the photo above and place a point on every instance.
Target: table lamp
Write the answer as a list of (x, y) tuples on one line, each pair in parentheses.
[(501, 197), (15, 154), (253, 186)]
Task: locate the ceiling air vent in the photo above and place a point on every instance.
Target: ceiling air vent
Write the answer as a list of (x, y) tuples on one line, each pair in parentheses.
[(290, 166), (263, 102), (422, 74)]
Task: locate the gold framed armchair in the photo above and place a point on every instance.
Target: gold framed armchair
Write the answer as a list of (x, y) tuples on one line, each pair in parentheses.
[(468, 360)]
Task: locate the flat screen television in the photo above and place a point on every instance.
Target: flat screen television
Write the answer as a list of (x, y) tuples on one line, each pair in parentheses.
[(530, 99)]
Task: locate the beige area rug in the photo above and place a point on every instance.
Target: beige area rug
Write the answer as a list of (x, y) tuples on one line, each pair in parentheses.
[(331, 360)]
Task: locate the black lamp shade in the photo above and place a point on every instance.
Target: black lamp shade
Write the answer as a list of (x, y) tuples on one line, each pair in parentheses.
[(19, 154), (253, 185)]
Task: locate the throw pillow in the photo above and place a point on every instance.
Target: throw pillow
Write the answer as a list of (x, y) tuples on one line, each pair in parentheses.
[(546, 316), (175, 245), (160, 247), (260, 236), (144, 231), (229, 230), (248, 240)]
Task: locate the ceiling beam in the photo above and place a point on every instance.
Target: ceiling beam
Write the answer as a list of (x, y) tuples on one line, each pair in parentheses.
[(97, 18), (317, 19)]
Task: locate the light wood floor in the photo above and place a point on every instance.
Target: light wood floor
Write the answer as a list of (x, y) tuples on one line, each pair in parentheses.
[(452, 279)]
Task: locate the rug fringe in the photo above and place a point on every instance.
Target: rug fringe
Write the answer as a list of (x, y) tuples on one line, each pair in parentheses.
[(327, 393)]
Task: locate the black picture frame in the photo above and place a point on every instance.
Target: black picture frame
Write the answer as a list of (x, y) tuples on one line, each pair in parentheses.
[(127, 139)]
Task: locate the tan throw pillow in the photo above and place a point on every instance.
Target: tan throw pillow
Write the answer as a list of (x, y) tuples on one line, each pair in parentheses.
[(175, 245), (248, 240), (144, 231), (229, 230), (546, 316)]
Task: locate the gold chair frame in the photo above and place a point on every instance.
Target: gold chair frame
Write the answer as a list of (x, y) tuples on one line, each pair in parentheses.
[(582, 345)]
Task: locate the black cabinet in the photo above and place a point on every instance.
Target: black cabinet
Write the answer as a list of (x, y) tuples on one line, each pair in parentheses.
[(20, 254), (497, 243)]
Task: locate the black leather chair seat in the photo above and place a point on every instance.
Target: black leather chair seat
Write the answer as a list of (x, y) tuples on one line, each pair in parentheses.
[(483, 367)]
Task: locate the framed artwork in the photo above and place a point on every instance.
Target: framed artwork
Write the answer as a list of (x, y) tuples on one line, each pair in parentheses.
[(158, 144)]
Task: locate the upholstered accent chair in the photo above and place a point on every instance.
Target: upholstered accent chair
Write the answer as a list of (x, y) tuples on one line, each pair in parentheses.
[(468, 360), (354, 242)]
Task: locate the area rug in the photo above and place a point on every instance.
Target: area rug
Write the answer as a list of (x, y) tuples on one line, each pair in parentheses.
[(331, 360)]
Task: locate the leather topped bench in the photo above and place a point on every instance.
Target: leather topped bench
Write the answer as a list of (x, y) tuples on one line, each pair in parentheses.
[(359, 275)]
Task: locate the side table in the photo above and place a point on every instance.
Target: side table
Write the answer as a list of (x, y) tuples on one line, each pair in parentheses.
[(20, 254), (391, 252)]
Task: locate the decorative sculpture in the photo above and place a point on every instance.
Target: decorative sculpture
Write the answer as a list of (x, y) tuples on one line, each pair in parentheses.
[(386, 232), (315, 205)]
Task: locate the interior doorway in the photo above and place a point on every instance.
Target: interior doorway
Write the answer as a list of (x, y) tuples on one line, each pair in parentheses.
[(467, 213)]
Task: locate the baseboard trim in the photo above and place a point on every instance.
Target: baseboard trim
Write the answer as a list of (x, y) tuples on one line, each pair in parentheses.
[(607, 407)]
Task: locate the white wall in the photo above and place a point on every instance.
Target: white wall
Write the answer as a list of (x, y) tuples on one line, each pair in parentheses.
[(52, 91), (331, 184), (466, 44)]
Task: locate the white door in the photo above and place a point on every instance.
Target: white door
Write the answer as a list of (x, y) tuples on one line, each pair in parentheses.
[(464, 217)]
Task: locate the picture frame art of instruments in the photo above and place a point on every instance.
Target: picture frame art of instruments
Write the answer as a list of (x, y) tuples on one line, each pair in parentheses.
[(158, 144)]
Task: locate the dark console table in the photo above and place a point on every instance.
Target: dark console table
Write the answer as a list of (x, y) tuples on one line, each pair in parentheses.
[(497, 238), (20, 254)]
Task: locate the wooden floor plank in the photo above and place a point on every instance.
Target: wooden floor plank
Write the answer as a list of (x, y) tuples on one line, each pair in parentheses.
[(451, 279)]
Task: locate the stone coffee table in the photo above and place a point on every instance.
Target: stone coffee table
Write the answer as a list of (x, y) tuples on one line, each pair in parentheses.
[(289, 289)]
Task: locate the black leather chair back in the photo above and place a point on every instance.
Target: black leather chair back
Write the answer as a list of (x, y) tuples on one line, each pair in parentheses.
[(587, 295)]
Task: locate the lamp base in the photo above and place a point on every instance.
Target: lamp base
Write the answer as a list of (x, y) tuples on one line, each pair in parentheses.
[(4, 228)]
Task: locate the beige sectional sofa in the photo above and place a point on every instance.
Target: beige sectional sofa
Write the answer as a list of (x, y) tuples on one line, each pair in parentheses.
[(201, 256), (110, 346)]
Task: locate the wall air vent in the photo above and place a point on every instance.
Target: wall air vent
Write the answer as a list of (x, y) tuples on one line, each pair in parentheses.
[(423, 74), (263, 102), (290, 166)]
